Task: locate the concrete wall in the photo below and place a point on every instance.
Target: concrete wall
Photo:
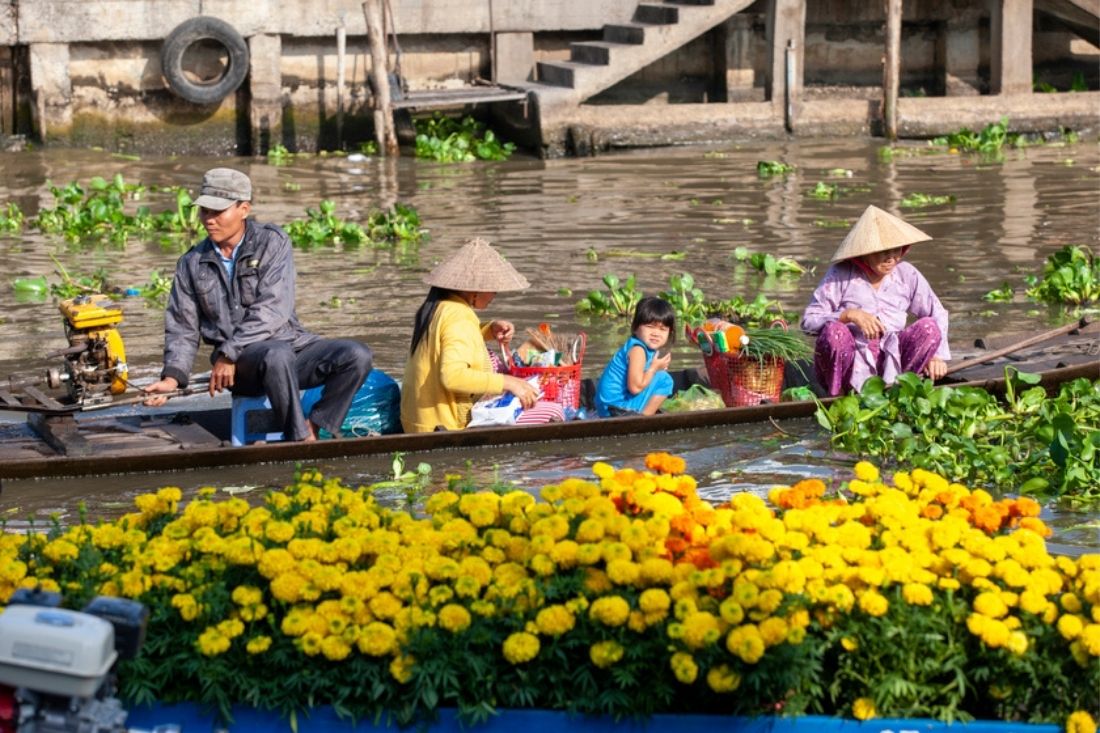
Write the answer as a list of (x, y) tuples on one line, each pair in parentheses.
[(101, 81)]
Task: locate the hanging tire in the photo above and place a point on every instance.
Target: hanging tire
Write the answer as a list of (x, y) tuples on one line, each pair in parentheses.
[(190, 32)]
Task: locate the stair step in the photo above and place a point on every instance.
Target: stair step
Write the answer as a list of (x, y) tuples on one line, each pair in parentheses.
[(631, 33), (594, 52), (651, 13), (690, 2), (558, 73)]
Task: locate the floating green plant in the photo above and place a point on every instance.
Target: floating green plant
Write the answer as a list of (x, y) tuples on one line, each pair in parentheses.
[(921, 200), (769, 263), (1071, 276), (448, 140), (769, 168)]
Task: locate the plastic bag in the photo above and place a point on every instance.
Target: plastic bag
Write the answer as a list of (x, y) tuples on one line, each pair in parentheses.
[(375, 409), (498, 409), (695, 397)]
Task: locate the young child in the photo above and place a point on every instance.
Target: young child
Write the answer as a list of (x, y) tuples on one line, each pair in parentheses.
[(636, 380)]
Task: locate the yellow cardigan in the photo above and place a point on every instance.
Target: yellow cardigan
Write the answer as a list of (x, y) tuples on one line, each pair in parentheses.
[(449, 371)]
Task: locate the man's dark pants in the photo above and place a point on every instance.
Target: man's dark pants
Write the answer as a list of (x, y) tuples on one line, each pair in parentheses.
[(274, 369)]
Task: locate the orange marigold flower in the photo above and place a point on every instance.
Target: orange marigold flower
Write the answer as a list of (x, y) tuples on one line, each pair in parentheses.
[(665, 463), (986, 518), (932, 511), (1036, 525)]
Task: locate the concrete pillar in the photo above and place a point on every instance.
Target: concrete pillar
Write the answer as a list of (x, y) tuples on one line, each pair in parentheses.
[(265, 86), (736, 73), (1010, 57), (514, 57), (51, 89), (786, 33), (962, 55)]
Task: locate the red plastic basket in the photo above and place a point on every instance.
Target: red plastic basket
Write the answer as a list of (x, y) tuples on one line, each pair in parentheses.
[(742, 380), (559, 383)]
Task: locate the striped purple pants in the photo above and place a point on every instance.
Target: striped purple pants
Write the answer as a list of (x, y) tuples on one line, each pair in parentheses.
[(834, 353)]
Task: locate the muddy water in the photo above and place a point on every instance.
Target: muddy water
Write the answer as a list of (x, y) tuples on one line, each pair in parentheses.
[(565, 224)]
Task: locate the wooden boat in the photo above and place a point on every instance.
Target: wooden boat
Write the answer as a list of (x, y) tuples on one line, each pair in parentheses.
[(99, 443)]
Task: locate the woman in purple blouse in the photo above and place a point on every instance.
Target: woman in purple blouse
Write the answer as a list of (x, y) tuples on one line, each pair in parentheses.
[(860, 309)]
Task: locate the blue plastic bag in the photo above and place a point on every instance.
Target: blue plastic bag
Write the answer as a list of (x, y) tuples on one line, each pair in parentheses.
[(375, 409)]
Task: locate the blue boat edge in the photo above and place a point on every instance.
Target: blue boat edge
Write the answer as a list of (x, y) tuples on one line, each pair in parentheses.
[(192, 718)]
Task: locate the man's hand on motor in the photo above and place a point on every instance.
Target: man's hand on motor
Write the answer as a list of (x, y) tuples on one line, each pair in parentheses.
[(168, 384)]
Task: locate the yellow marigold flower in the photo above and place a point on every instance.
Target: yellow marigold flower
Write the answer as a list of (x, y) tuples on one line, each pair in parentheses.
[(654, 600), (402, 668), (377, 639), (1080, 722), (1070, 602), (1090, 639), (605, 653), (701, 629), (610, 610), (849, 644), (602, 470), (731, 611), (990, 604), (773, 630), (555, 620), (866, 471), (187, 606), (1017, 642), (723, 679), (521, 647), (917, 594), (454, 618), (334, 648), (746, 643), (684, 667), (873, 603), (258, 644), (863, 708), (212, 642)]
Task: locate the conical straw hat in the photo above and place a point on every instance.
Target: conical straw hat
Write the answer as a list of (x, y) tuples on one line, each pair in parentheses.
[(876, 231), (478, 268)]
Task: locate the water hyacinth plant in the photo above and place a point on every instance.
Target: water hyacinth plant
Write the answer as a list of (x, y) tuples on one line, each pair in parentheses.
[(448, 140), (1028, 442), (622, 593)]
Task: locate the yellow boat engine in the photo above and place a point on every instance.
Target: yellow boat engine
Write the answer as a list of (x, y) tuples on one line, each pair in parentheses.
[(95, 361)]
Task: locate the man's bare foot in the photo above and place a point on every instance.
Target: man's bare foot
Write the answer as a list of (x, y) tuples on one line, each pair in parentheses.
[(312, 432)]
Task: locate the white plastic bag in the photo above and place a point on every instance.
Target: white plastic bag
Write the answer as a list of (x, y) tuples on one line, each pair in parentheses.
[(498, 409)]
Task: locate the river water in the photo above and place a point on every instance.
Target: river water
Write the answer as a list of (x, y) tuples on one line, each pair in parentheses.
[(565, 224)]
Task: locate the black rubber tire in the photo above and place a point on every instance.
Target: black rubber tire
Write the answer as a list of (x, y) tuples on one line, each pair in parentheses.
[(183, 37)]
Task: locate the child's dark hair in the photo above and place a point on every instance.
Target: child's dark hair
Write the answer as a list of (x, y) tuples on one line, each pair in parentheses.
[(655, 310)]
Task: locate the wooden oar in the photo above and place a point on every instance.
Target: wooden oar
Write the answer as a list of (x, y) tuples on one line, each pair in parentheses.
[(1030, 341)]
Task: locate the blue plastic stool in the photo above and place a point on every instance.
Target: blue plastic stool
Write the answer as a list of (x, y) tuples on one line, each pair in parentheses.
[(251, 417)]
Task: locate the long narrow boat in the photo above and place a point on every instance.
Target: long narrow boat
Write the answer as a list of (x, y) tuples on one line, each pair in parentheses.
[(136, 443)]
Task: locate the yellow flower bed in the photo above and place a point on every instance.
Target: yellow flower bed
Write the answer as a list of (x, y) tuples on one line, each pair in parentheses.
[(624, 593)]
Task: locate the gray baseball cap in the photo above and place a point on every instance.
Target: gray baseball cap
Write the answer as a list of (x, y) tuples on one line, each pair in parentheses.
[(223, 187)]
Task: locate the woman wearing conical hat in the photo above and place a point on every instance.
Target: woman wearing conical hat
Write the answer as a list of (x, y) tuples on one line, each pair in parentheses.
[(449, 366), (861, 307)]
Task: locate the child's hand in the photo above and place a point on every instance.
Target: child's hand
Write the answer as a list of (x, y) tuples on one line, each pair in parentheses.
[(660, 363)]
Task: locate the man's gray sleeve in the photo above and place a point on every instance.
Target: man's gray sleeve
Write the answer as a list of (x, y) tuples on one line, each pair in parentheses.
[(269, 314)]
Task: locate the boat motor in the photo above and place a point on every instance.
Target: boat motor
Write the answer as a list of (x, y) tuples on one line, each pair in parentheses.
[(95, 362), (57, 665)]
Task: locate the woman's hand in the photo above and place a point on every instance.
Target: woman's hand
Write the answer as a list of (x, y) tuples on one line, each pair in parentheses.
[(936, 368), (502, 331), (869, 324), (524, 391)]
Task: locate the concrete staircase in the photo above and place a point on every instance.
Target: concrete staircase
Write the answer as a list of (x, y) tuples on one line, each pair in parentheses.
[(657, 29)]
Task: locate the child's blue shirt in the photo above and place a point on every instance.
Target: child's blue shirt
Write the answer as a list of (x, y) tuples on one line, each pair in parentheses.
[(612, 390)]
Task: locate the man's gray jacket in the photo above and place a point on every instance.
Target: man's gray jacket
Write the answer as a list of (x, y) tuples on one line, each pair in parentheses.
[(258, 305)]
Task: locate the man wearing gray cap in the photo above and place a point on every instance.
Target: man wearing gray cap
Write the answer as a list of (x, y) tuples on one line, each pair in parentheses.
[(235, 291)]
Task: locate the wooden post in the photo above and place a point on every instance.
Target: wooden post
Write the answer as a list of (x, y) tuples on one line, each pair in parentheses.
[(341, 58), (384, 131), (891, 70)]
